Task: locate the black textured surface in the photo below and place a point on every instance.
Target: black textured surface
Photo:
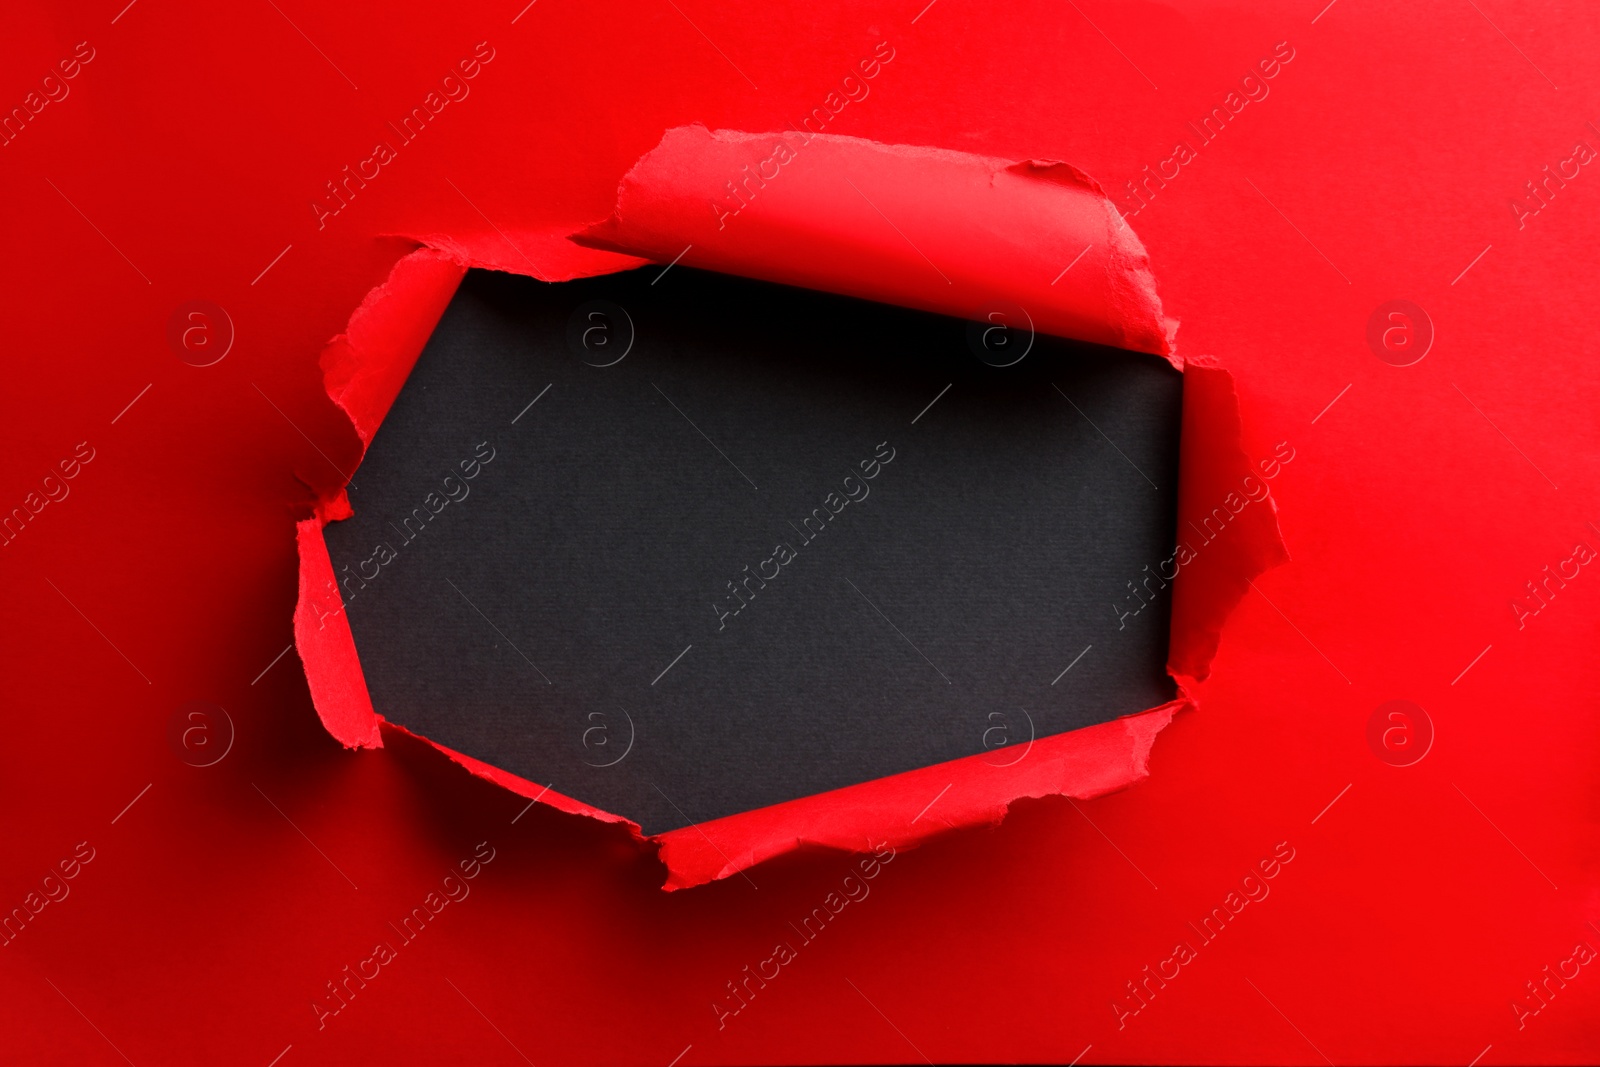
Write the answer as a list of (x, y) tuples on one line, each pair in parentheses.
[(536, 615)]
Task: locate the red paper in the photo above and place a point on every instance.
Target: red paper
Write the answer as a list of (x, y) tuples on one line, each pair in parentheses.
[(1431, 908)]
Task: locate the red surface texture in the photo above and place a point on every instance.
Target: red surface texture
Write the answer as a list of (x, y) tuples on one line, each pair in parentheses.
[(1310, 873)]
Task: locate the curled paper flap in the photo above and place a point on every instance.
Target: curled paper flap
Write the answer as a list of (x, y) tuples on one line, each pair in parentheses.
[(1227, 521), (928, 228)]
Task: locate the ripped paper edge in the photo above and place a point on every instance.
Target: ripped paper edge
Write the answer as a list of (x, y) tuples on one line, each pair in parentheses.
[(364, 369)]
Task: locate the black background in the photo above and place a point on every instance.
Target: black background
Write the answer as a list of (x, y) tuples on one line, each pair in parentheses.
[(529, 623)]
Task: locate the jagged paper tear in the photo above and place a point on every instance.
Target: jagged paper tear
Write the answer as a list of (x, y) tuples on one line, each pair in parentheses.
[(922, 227)]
